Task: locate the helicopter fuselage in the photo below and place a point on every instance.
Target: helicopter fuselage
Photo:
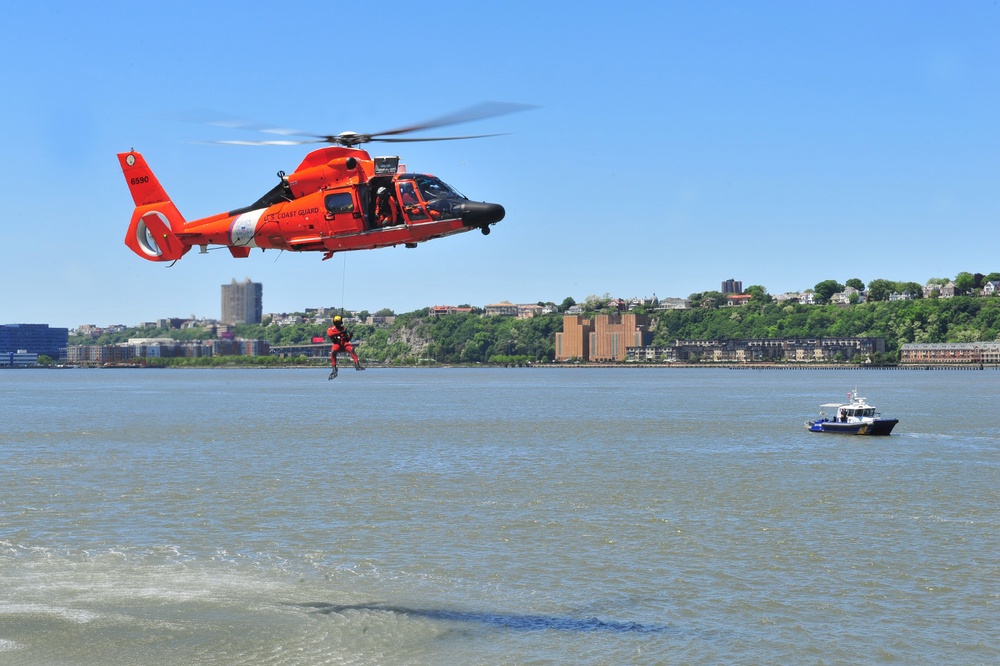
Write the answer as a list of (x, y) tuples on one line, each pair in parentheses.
[(338, 199)]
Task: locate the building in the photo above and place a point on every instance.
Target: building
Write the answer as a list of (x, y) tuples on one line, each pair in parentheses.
[(442, 310), (991, 288), (614, 334), (848, 296), (574, 341), (950, 352), (34, 339), (18, 359), (674, 304), (502, 309), (943, 291), (380, 320), (242, 302), (732, 286), (603, 340), (529, 310), (757, 350), (143, 348)]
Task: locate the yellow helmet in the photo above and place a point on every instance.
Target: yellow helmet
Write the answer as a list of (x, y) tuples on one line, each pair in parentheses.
[(337, 319)]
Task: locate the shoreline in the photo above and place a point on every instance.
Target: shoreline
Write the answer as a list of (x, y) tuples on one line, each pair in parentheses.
[(548, 366)]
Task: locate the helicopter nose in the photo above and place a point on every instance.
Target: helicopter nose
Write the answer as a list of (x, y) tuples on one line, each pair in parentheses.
[(481, 214)]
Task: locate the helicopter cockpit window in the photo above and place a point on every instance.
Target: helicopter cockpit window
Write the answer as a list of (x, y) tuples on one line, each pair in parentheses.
[(411, 204), (434, 188), (339, 203)]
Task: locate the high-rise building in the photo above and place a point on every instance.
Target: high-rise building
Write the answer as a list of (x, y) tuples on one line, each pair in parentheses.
[(34, 338), (732, 286), (613, 334), (605, 339), (574, 340), (242, 302)]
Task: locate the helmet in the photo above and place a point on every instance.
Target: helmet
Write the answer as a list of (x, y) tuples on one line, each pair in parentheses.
[(337, 319)]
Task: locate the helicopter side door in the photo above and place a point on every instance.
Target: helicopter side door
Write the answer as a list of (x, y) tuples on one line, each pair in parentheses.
[(343, 212)]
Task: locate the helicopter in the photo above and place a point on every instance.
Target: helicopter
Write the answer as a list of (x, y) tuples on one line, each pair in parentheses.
[(338, 199)]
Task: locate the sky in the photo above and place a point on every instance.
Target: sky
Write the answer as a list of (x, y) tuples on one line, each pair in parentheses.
[(672, 145)]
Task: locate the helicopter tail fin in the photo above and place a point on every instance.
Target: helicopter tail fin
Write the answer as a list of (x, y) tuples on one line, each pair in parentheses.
[(152, 232), (142, 184)]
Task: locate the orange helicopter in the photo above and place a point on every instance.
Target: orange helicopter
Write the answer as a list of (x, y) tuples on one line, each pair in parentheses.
[(339, 198)]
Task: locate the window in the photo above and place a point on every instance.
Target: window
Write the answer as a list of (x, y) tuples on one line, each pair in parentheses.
[(411, 204), (342, 202)]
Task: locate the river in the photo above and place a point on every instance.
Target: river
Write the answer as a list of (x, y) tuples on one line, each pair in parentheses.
[(500, 516)]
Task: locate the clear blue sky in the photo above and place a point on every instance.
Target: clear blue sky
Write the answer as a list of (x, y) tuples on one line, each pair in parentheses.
[(676, 144)]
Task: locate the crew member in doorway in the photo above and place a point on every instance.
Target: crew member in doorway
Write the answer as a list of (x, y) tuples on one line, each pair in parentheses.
[(341, 340), (385, 208)]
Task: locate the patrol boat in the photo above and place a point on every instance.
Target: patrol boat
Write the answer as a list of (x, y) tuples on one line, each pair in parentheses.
[(855, 417)]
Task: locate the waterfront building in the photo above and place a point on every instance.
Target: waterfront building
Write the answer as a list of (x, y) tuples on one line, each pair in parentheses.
[(757, 350), (574, 340), (18, 359), (34, 339), (242, 302), (143, 348), (603, 339), (614, 334), (950, 352)]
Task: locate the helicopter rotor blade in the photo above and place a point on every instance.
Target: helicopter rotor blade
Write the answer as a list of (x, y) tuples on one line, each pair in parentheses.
[(275, 142), (351, 139), (439, 138), (477, 112)]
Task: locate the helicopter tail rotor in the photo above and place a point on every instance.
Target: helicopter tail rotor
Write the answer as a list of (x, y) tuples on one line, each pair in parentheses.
[(155, 223)]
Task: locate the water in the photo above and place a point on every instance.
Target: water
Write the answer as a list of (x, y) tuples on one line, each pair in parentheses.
[(594, 516)]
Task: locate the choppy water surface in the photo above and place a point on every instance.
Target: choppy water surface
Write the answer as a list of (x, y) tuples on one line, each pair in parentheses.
[(495, 516)]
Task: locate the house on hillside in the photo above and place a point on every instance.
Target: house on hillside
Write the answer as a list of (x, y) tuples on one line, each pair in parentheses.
[(991, 288), (943, 291), (844, 297)]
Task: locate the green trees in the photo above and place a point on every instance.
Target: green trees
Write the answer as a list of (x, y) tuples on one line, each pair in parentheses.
[(827, 288), (879, 289), (418, 337), (855, 283), (965, 283), (758, 294), (707, 299)]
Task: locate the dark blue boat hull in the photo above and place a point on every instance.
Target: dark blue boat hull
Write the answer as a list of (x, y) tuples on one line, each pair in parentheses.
[(879, 427)]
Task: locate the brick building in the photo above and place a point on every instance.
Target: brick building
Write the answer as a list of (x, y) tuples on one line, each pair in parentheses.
[(605, 339)]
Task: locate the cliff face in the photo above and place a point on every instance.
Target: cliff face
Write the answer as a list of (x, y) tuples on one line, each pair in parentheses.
[(413, 338)]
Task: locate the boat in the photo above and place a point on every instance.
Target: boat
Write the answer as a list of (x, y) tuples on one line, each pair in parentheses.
[(855, 417)]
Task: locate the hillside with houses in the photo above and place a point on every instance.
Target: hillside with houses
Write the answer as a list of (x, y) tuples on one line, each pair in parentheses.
[(850, 322)]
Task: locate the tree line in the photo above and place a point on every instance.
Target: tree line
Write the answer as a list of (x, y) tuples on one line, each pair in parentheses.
[(470, 338)]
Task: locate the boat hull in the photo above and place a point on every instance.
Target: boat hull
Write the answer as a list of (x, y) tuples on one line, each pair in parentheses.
[(878, 427)]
